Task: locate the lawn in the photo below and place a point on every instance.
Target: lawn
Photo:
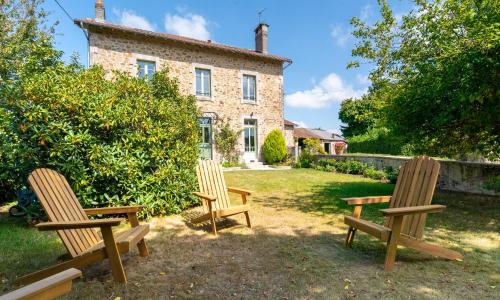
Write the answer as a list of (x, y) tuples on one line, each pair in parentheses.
[(294, 250)]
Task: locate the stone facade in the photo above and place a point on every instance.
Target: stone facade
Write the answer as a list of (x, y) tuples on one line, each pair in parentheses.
[(121, 51)]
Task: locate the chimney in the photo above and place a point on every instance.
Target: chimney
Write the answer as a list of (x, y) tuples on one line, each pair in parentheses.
[(100, 14), (261, 38)]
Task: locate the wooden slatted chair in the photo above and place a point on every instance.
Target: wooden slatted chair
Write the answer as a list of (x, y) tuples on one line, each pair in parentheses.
[(408, 208), (45, 289), (214, 195), (77, 232)]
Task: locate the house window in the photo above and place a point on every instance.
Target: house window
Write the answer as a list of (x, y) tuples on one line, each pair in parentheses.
[(146, 69), (203, 82), (206, 138), (250, 135), (249, 88)]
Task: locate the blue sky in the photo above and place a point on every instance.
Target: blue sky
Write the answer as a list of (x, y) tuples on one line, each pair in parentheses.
[(314, 34)]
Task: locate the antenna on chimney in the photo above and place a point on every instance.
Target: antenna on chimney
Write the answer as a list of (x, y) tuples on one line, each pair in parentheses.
[(260, 14)]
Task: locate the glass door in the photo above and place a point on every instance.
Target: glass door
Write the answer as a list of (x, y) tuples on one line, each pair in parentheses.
[(250, 138), (206, 138)]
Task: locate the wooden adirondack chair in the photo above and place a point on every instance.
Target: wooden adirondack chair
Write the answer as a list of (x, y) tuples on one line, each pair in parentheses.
[(77, 231), (408, 208), (213, 193), (45, 289)]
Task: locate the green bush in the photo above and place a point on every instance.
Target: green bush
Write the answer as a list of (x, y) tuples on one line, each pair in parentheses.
[(378, 140), (372, 173), (492, 183), (118, 142), (274, 147)]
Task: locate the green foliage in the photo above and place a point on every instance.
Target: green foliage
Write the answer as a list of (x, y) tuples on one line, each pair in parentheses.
[(436, 75), (225, 140), (313, 146), (350, 167), (492, 183), (274, 147), (377, 140), (306, 158), (120, 142), (23, 34), (359, 114)]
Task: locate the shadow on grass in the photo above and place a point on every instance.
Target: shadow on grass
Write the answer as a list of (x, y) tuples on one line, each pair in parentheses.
[(263, 262), (326, 199)]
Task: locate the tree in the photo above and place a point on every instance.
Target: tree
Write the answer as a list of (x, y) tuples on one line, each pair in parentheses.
[(439, 68), (274, 147), (23, 34), (358, 114), (225, 140)]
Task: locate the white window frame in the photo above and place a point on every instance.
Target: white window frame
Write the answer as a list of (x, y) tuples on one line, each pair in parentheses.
[(134, 71), (204, 67), (146, 65), (257, 96)]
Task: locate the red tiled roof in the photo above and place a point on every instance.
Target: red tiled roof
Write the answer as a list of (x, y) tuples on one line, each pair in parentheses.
[(304, 133), (91, 24), (289, 123)]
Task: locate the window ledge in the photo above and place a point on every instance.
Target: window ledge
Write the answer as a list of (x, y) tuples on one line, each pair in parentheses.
[(204, 98), (252, 102)]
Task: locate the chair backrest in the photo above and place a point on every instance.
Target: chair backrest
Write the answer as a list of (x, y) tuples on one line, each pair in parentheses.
[(415, 186), (211, 182), (60, 204)]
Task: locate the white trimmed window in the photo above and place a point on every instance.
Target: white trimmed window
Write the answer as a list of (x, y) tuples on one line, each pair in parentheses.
[(146, 69), (249, 88), (202, 82)]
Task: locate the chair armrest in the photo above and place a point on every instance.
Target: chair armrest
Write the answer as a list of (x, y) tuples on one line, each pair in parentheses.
[(113, 210), (367, 200), (401, 211), (47, 288), (239, 191), (205, 196), (79, 224)]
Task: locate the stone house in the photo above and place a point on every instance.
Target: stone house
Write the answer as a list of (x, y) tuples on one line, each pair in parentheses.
[(241, 86)]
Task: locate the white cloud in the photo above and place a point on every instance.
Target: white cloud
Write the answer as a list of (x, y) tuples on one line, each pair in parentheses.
[(331, 89), (366, 13), (190, 25), (363, 80), (340, 35), (131, 19), (300, 124)]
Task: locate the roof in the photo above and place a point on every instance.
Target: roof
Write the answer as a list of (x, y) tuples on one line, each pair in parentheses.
[(289, 123), (304, 133), (316, 134), (93, 25)]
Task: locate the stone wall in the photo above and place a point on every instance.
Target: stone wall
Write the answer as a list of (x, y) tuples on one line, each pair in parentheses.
[(118, 51), (456, 176)]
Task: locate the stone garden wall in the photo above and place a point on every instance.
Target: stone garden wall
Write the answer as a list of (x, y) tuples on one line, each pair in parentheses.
[(455, 176)]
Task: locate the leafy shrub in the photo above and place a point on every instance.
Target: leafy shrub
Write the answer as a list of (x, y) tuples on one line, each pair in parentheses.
[(391, 174), (378, 140), (314, 146), (492, 183), (274, 147), (372, 173), (306, 160), (226, 139), (120, 142)]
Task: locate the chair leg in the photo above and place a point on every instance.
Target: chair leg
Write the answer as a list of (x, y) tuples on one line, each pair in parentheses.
[(247, 216), (348, 238), (143, 249), (141, 246), (113, 255), (392, 243), (351, 237), (212, 223)]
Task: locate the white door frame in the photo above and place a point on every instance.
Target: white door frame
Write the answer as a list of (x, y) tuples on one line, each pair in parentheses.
[(249, 156)]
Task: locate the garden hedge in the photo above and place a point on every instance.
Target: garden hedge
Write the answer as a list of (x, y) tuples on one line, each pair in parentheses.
[(125, 141)]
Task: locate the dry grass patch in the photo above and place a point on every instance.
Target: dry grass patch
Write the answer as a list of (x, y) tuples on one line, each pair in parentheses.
[(294, 250)]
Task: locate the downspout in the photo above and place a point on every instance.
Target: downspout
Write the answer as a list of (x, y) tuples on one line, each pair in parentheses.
[(88, 43)]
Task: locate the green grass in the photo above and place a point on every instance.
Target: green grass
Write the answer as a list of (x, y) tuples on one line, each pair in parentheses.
[(294, 250)]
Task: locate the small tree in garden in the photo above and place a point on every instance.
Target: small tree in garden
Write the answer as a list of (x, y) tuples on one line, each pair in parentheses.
[(225, 140), (313, 146), (274, 147)]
